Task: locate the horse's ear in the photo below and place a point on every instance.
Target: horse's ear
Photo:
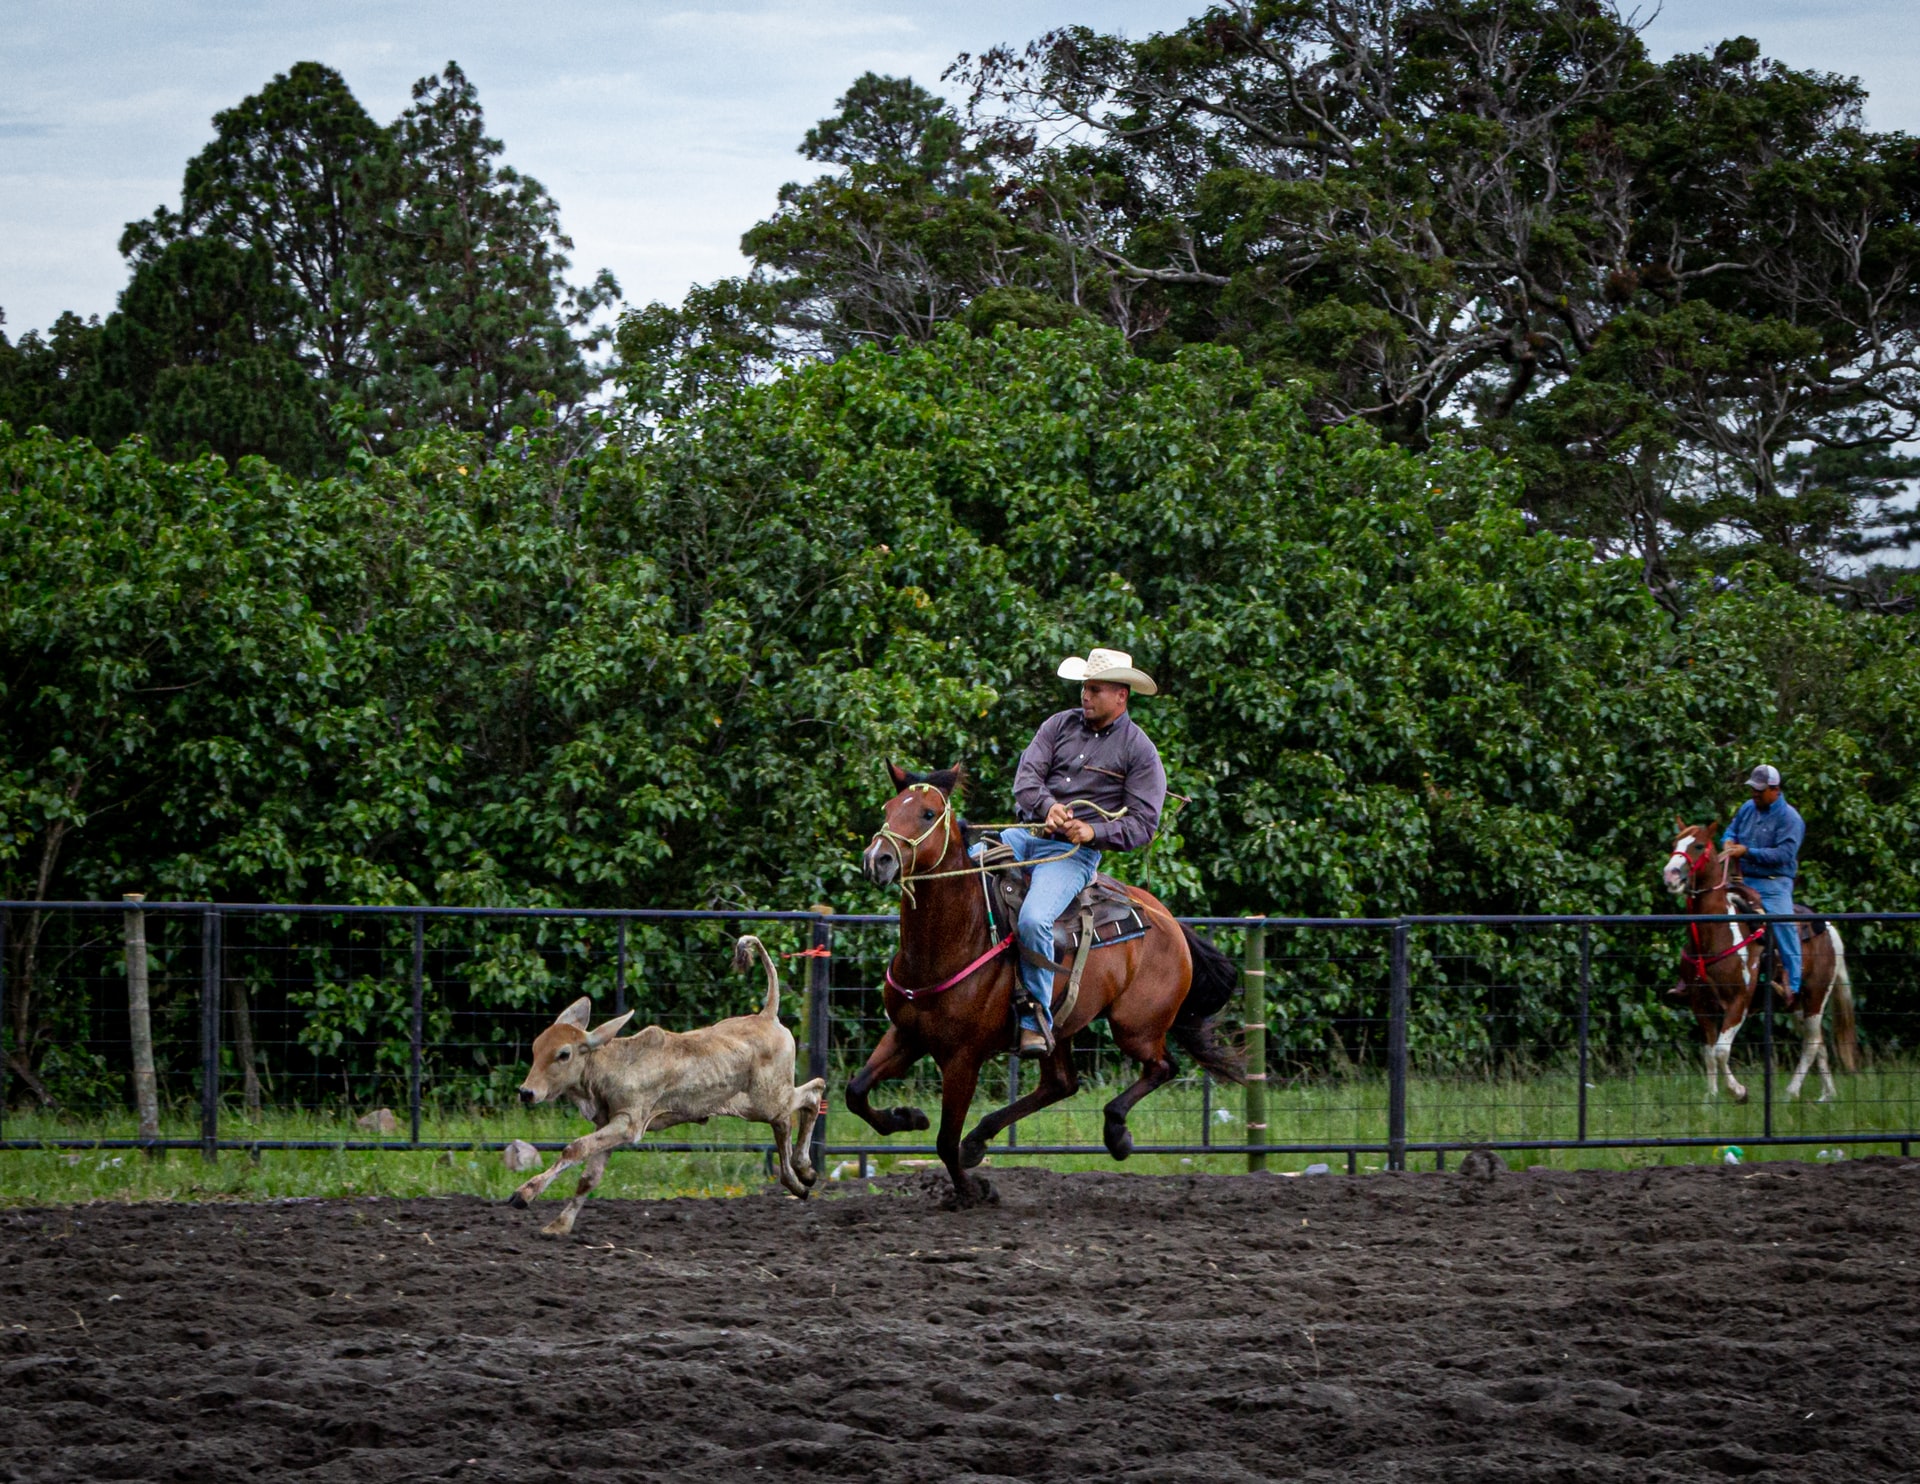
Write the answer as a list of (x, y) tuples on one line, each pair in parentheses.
[(1679, 824), (959, 771), (898, 774)]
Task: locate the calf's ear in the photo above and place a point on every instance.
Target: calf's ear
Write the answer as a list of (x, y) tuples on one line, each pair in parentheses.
[(575, 1014), (607, 1032)]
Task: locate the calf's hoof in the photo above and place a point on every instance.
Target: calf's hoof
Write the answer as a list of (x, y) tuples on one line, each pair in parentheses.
[(1740, 1096), (518, 1200), (558, 1227)]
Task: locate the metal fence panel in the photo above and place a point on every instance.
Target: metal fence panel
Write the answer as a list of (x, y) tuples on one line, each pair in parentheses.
[(1379, 1040)]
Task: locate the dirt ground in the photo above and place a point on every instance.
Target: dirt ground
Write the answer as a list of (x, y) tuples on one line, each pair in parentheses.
[(1672, 1324)]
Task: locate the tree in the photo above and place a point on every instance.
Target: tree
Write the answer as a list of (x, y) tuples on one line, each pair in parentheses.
[(472, 319), (203, 355), (52, 380), (286, 176), (1653, 285), (912, 232), (323, 273)]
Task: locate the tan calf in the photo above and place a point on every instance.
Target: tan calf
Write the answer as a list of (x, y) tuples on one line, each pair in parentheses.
[(740, 1068)]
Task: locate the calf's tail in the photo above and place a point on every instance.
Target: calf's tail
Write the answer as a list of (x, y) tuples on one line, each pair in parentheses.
[(744, 948), (1214, 981)]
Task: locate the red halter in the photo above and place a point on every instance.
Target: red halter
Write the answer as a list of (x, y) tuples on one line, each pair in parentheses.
[(1700, 960)]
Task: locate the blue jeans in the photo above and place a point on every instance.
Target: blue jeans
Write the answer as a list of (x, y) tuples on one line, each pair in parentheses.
[(1056, 882), (1776, 895)]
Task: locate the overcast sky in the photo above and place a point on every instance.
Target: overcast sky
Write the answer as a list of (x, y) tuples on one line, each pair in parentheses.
[(663, 129)]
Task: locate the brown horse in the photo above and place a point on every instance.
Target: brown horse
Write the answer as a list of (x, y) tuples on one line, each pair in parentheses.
[(1720, 969), (950, 989)]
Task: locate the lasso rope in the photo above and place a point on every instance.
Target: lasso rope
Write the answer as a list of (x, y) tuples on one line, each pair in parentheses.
[(908, 850)]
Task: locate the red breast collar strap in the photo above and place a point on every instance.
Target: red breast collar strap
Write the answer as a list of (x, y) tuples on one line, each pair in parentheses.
[(947, 984)]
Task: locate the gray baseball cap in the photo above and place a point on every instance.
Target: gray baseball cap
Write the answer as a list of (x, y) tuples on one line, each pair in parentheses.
[(1763, 777)]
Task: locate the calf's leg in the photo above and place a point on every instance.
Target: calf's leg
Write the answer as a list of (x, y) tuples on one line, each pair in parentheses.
[(808, 1099), (590, 1174), (622, 1128)]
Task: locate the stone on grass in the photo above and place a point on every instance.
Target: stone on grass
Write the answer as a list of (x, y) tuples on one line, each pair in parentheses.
[(379, 1121), (520, 1155)]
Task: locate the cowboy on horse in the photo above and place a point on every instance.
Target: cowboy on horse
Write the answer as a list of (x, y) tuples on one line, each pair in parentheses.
[(1765, 837), (1089, 782)]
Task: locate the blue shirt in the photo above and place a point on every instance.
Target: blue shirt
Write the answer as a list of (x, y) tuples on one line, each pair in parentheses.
[(1772, 837)]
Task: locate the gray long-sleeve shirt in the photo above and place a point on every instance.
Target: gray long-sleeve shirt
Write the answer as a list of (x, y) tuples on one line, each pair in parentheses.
[(1116, 767)]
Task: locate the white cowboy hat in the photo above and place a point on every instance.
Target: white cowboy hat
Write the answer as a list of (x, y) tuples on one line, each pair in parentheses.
[(1110, 665)]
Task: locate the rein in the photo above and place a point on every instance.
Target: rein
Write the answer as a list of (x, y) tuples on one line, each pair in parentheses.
[(908, 851)]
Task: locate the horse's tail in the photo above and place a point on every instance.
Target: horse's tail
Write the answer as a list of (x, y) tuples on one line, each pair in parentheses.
[(744, 948), (1214, 981), (1844, 1043)]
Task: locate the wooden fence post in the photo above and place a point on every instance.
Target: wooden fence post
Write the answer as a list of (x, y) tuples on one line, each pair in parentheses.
[(1253, 987), (146, 1092)]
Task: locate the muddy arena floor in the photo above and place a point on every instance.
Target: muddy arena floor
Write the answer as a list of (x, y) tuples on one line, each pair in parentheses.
[(1674, 1324)]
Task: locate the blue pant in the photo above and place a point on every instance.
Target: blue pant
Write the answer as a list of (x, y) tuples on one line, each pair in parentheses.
[(1776, 895), (1056, 882)]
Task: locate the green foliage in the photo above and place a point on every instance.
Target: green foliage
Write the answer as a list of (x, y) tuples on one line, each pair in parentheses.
[(666, 672), (462, 276), (1654, 285)]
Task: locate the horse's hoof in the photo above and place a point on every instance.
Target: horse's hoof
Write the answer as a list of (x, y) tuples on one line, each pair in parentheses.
[(913, 1121), (1118, 1140), (980, 1192), (971, 1153)]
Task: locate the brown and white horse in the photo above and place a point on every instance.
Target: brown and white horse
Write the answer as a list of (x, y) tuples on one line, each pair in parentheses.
[(1720, 967)]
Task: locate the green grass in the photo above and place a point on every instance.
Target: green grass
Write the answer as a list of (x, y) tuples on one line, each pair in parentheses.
[(1324, 1110)]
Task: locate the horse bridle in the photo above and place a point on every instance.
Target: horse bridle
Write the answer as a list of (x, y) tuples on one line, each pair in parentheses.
[(1707, 858), (1700, 960), (907, 850)]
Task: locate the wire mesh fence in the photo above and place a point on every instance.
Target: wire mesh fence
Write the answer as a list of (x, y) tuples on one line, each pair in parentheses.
[(1374, 1040)]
